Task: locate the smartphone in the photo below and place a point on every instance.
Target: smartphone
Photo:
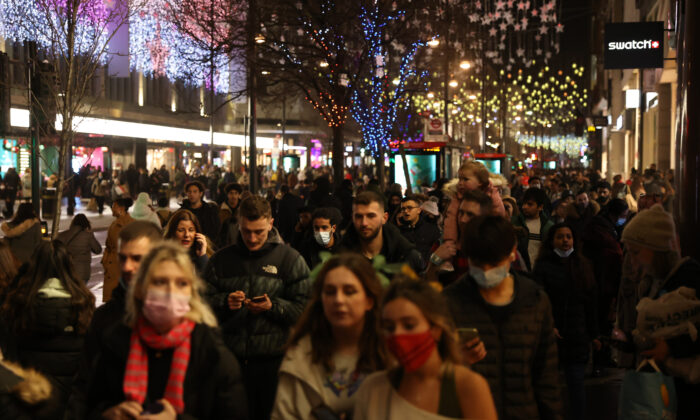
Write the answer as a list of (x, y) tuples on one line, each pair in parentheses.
[(152, 408), (258, 299), (197, 245), (467, 334)]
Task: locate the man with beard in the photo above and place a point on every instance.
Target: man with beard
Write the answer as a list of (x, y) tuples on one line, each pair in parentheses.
[(604, 190), (370, 235), (580, 214)]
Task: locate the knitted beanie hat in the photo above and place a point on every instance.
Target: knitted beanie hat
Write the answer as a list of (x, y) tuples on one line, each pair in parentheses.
[(652, 228)]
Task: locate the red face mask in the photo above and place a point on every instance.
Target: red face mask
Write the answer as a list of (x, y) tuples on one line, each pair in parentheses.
[(411, 350)]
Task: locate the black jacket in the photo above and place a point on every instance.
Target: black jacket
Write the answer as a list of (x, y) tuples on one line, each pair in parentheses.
[(521, 354), (213, 388), (288, 215), (275, 269), (51, 345), (310, 249), (423, 235), (395, 248), (574, 309), (208, 217)]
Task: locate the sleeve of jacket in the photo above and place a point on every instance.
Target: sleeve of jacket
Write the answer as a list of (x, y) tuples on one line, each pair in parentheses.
[(291, 401), (231, 401), (95, 246), (288, 306), (545, 372), (217, 294)]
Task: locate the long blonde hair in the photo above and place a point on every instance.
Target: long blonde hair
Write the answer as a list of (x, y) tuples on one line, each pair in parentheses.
[(161, 252)]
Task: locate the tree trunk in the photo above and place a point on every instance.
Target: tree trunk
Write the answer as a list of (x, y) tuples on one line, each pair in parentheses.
[(64, 148), (338, 156), (381, 172), (406, 173)]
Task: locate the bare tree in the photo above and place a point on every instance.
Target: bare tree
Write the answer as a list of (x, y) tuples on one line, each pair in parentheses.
[(73, 38)]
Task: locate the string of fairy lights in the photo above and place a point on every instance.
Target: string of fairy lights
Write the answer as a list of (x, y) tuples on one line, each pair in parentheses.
[(377, 99)]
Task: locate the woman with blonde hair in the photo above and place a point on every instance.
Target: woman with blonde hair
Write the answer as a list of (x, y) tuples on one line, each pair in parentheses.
[(430, 382), (167, 359)]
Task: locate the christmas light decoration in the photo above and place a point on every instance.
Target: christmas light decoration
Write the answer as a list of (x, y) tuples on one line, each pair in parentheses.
[(377, 100), (158, 49), (44, 22)]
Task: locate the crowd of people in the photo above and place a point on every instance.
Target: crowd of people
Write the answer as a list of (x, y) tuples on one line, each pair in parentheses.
[(477, 298)]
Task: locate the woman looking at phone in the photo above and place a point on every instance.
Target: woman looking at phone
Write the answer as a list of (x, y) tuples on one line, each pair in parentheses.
[(167, 361), (185, 229), (430, 382), (335, 344)]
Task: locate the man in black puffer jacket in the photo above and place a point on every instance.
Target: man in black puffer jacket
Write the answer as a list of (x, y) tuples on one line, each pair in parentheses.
[(259, 287), (516, 349)]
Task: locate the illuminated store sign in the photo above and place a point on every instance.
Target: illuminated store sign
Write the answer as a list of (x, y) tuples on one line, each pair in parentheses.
[(634, 45)]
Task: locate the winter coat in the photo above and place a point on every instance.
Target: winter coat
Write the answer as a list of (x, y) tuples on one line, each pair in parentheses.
[(25, 394), (602, 247), (208, 217), (212, 388), (395, 248), (574, 310), (424, 235), (226, 212), (110, 258), (301, 386), (51, 344), (276, 270), (310, 249), (81, 244), (521, 354), (23, 238), (524, 240), (288, 215)]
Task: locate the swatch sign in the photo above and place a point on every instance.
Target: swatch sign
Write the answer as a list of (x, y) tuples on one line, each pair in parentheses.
[(634, 45)]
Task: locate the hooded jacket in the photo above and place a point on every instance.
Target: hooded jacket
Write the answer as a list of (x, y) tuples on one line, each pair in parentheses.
[(424, 235), (276, 270), (395, 248), (25, 394), (521, 352)]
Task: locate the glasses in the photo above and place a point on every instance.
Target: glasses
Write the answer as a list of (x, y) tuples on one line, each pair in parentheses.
[(408, 208)]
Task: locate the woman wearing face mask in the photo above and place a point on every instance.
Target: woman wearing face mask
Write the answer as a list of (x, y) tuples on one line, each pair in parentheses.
[(567, 277), (335, 344), (184, 228), (430, 382), (167, 361), (516, 348)]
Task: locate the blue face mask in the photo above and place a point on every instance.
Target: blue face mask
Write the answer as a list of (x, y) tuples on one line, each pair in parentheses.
[(490, 278), (563, 254), (621, 221)]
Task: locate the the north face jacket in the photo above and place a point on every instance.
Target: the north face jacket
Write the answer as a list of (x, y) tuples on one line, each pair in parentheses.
[(275, 269)]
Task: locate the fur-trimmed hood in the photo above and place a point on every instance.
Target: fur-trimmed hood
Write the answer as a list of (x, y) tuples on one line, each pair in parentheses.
[(27, 385)]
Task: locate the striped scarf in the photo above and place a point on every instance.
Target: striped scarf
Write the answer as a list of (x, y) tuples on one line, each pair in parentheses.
[(136, 375)]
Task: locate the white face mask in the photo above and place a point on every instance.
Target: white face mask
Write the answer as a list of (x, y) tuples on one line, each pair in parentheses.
[(490, 278), (323, 238), (563, 254)]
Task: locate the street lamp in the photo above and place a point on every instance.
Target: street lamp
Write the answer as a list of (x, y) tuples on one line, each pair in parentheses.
[(259, 39), (434, 43), (453, 83), (465, 65)]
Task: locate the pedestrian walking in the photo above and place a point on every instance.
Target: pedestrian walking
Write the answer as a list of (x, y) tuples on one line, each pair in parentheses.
[(23, 232), (110, 258), (184, 229), (259, 289), (46, 313), (81, 243), (567, 277), (207, 214), (515, 348), (167, 359), (430, 382), (335, 344)]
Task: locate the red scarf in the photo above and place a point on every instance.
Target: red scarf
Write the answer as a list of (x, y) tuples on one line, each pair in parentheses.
[(136, 375)]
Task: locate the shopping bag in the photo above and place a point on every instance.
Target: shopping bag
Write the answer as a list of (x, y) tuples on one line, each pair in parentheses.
[(92, 204), (647, 395), (670, 315)]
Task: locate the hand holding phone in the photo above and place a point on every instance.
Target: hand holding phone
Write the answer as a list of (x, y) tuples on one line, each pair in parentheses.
[(467, 334)]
